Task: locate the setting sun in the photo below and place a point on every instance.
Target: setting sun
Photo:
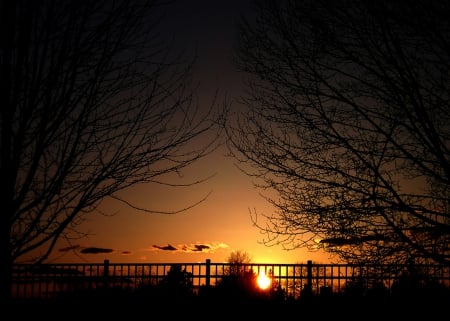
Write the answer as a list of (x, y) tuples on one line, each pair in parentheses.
[(263, 280)]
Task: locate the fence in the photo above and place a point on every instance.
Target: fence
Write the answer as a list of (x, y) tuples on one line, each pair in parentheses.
[(47, 280)]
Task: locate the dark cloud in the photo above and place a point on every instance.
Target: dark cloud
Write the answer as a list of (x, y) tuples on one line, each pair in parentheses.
[(336, 241), (192, 247), (95, 250), (69, 248), (200, 247), (341, 241), (166, 248)]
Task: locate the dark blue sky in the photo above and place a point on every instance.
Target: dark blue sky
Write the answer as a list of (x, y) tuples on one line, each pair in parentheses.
[(207, 29)]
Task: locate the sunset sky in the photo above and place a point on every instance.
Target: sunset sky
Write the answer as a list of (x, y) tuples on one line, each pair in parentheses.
[(219, 225)]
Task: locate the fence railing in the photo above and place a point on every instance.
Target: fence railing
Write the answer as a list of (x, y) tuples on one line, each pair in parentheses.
[(48, 280)]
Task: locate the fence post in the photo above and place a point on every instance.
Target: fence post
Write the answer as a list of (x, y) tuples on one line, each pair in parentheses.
[(105, 273), (208, 273), (308, 288), (309, 273)]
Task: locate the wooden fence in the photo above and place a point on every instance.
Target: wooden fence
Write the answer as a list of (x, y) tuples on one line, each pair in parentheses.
[(47, 280)]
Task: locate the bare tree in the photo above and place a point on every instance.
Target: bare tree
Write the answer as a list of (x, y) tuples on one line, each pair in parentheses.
[(93, 101), (238, 280), (346, 118), (237, 260)]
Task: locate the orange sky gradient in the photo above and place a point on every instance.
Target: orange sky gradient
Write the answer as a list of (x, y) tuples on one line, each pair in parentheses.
[(211, 230)]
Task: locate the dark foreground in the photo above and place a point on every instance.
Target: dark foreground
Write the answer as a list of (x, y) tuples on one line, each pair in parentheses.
[(215, 308)]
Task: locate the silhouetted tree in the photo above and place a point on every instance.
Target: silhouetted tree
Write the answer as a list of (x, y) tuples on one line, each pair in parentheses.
[(238, 261), (346, 118), (92, 102), (238, 282)]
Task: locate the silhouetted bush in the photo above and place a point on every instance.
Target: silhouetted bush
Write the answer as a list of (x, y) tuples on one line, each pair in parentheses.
[(176, 286), (412, 283), (239, 288)]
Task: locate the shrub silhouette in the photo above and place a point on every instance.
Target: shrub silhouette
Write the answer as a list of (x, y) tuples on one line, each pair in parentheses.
[(176, 286), (237, 286)]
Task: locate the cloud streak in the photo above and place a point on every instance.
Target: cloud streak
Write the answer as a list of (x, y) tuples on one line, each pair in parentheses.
[(188, 248), (180, 248), (95, 250), (165, 248), (89, 249)]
